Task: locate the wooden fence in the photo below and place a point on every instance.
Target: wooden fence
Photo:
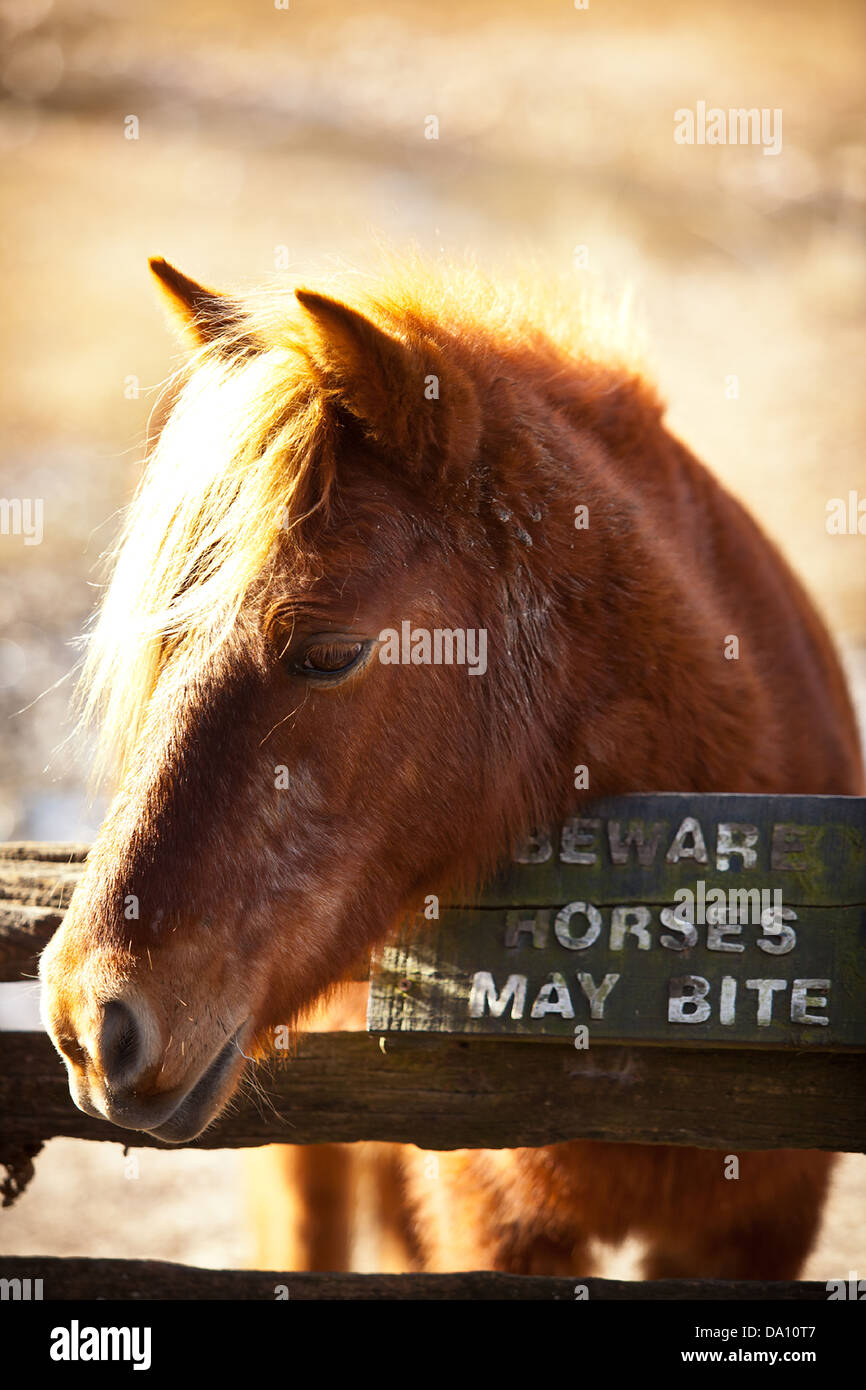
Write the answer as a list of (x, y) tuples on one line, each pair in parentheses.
[(713, 1033)]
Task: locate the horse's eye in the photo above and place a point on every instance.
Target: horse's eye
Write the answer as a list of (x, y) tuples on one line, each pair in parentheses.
[(331, 658)]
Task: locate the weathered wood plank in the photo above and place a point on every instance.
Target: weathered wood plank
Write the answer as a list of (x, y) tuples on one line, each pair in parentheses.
[(811, 848), (38, 882), (24, 932), (80, 1280), (626, 975), (719, 920), (489, 1094), (53, 851)]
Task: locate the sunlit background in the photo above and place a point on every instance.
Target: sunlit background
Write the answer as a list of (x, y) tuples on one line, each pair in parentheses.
[(274, 144)]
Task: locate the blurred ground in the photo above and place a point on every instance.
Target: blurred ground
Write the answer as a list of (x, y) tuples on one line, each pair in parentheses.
[(272, 139)]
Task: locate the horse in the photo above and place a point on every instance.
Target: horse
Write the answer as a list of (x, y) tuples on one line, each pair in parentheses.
[(426, 447)]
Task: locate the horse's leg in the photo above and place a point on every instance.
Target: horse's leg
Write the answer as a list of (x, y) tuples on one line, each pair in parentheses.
[(760, 1225), (397, 1246), (300, 1203), (300, 1198), (463, 1223)]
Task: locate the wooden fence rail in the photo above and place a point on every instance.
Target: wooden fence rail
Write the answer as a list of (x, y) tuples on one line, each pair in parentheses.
[(487, 1093), (79, 1280)]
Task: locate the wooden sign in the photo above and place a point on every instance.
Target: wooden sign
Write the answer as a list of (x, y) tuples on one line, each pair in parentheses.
[(665, 918)]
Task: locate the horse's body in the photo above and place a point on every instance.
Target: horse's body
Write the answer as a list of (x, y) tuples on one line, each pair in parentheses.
[(284, 796)]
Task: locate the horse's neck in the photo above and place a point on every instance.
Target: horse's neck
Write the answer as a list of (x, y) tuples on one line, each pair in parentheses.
[(651, 701)]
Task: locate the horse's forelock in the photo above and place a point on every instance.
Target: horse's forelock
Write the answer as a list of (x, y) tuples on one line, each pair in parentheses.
[(244, 454)]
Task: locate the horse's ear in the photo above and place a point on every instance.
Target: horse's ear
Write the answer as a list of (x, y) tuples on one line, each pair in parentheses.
[(201, 313), (404, 394), (373, 373)]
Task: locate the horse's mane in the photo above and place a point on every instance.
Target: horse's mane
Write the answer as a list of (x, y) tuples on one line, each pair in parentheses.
[(246, 452)]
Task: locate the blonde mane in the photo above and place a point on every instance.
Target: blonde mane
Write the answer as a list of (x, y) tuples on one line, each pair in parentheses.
[(243, 438)]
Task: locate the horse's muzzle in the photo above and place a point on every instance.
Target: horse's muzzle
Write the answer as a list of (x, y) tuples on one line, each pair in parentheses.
[(176, 1115), (203, 1103)]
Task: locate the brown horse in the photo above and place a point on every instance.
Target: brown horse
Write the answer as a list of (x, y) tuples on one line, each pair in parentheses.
[(438, 455)]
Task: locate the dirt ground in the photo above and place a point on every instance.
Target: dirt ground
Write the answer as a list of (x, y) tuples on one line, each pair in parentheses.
[(273, 146)]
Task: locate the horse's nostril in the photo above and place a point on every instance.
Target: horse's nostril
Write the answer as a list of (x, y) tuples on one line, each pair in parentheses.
[(119, 1042)]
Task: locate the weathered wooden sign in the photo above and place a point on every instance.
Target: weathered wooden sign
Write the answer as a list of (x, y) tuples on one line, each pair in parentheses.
[(659, 918)]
